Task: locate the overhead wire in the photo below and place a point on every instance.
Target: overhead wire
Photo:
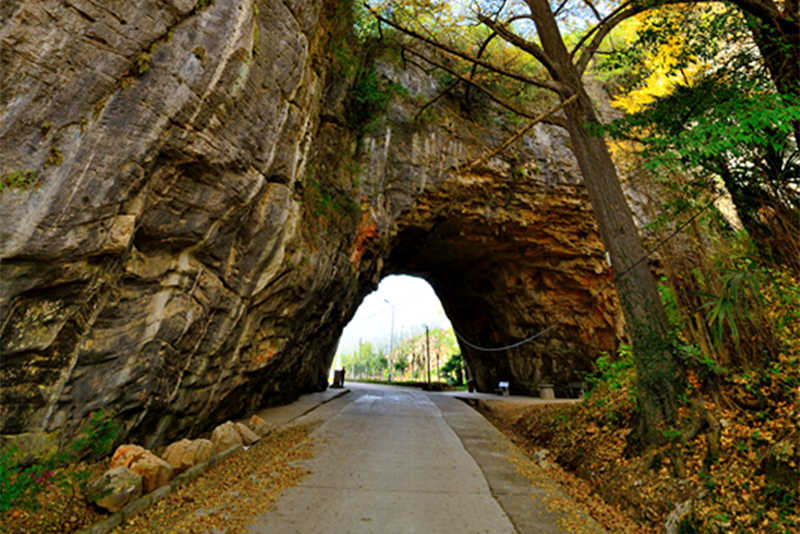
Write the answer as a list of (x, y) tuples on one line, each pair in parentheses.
[(505, 347)]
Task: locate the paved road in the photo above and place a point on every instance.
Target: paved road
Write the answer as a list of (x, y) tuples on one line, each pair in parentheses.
[(388, 460)]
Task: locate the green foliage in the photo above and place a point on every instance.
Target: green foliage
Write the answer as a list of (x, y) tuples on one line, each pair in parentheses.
[(96, 439), (452, 368), (364, 25), (327, 200), (401, 363), (370, 94), (143, 62), (726, 307), (611, 372), (695, 358), (19, 485), (722, 121), (366, 362), (670, 302), (369, 99), (672, 434), (20, 179), (15, 483)]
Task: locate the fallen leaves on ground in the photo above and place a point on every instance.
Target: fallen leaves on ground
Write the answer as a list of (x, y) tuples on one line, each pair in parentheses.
[(733, 484), (506, 416), (60, 508), (230, 495), (226, 497)]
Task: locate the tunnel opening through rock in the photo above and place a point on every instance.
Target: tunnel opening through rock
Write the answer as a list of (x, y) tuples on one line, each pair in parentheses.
[(386, 338), (529, 301)]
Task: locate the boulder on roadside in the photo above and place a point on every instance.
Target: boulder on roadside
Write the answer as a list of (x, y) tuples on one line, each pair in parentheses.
[(115, 488), (248, 436), (258, 425), (155, 472), (187, 453), (225, 436)]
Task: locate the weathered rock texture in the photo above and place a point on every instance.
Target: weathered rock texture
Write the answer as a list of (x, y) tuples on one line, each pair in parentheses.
[(116, 488), (154, 471), (187, 453), (204, 222)]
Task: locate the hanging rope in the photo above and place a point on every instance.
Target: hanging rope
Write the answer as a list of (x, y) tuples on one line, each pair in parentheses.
[(506, 347)]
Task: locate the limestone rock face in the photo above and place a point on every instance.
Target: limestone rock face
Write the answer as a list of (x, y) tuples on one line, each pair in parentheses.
[(201, 226), (187, 453), (117, 487), (154, 471)]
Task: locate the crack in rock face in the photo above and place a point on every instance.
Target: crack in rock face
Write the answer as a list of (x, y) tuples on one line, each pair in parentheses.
[(202, 225)]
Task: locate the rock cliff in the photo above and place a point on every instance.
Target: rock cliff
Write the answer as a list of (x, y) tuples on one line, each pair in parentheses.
[(188, 219)]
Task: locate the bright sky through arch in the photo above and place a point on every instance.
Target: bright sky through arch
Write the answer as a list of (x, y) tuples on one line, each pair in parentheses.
[(415, 304)]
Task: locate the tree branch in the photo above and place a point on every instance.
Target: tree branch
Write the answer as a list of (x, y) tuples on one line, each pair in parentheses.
[(762, 9), (600, 32), (432, 101), (481, 50), (560, 7), (594, 10), (523, 44), (544, 84), (522, 131), (556, 121)]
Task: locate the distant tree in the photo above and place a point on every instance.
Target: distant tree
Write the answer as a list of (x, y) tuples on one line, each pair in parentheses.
[(401, 363), (453, 369)]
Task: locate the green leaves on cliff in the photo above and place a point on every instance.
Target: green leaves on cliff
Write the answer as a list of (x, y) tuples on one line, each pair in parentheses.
[(369, 99), (369, 93), (326, 199), (20, 179)]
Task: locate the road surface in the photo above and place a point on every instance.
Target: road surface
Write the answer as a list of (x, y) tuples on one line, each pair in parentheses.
[(397, 460)]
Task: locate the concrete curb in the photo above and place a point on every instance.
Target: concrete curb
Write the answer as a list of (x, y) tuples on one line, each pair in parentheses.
[(528, 502), (117, 518)]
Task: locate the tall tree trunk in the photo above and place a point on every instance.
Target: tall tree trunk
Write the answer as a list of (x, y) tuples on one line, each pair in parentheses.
[(659, 375), (777, 35)]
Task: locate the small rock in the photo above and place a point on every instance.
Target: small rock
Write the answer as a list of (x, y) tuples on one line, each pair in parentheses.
[(225, 436), (155, 472), (258, 425), (248, 436), (540, 457), (681, 511), (115, 488), (187, 453)]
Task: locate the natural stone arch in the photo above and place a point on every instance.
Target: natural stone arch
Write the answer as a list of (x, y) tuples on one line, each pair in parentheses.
[(506, 272), (207, 236)]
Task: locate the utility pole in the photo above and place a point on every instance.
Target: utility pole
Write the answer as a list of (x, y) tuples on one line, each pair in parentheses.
[(391, 340), (428, 353)]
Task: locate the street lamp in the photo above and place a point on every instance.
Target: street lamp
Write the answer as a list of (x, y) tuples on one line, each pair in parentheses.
[(391, 340)]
